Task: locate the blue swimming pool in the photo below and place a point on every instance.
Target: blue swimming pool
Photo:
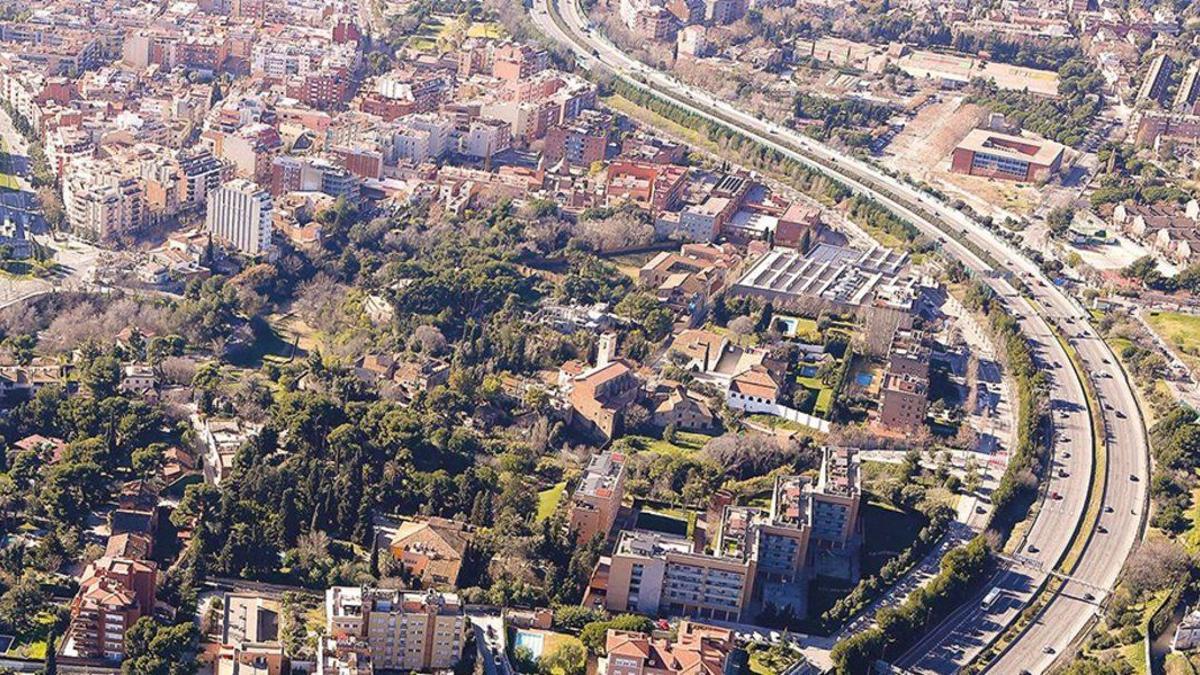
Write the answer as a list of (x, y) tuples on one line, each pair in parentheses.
[(864, 379), (808, 371), (531, 641)]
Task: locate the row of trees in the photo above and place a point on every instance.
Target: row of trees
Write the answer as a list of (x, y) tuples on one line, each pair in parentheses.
[(897, 627), (1016, 489)]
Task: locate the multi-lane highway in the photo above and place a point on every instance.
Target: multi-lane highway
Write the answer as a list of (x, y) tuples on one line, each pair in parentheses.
[(1066, 483)]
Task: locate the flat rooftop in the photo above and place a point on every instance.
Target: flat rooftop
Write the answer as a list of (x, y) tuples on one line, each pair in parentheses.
[(834, 273), (1008, 146), (601, 475)]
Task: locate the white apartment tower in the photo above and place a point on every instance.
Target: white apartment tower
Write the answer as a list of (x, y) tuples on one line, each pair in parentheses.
[(239, 214)]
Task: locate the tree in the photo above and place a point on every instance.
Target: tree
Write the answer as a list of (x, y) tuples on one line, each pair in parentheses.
[(72, 489), (20, 605), (595, 633), (154, 649), (1155, 565), (570, 658), (1059, 219), (741, 327)]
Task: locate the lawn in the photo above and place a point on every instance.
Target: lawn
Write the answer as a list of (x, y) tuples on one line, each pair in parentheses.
[(685, 443), (549, 499), (486, 29), (774, 422), (1181, 330), (824, 395)]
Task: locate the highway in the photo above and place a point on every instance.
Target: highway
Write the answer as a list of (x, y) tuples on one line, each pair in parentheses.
[(1065, 484)]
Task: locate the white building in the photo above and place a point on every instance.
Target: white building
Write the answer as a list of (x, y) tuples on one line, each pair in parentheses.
[(239, 214), (419, 138), (100, 201), (485, 138)]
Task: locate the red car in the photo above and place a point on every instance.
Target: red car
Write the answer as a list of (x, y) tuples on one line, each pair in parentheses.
[(1055, 495)]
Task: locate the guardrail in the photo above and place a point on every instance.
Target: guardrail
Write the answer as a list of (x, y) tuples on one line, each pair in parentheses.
[(898, 203), (1069, 559)]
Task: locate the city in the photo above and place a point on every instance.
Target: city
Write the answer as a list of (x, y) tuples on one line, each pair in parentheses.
[(616, 337)]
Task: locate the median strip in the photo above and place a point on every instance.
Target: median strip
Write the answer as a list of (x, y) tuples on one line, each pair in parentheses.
[(1084, 529)]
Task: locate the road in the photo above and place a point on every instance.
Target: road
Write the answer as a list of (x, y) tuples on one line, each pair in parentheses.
[(967, 632)]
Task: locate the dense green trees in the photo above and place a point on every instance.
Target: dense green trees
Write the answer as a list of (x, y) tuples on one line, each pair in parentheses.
[(1065, 119)]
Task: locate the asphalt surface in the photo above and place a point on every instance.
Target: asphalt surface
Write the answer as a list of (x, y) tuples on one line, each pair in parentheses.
[(969, 630)]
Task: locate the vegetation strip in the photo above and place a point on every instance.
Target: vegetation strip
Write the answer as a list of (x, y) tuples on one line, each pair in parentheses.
[(1084, 528)]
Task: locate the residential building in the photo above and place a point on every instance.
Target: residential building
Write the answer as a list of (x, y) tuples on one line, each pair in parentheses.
[(1158, 79), (101, 200), (581, 141), (904, 402), (696, 650), (659, 573), (836, 498), (239, 214), (344, 656), (723, 12), (597, 499), (431, 549), (113, 594), (250, 642), (404, 630)]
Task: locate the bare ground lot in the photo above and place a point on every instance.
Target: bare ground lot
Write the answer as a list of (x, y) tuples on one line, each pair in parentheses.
[(923, 150)]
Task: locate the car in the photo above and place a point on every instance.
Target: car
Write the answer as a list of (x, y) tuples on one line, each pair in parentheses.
[(1047, 649), (1108, 508), (1108, 406), (1066, 454), (1032, 549), (1089, 597), (1055, 496), (1102, 529), (1133, 477), (1062, 473), (1120, 415)]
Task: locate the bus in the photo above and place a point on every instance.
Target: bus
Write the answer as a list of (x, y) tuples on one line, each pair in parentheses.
[(990, 599)]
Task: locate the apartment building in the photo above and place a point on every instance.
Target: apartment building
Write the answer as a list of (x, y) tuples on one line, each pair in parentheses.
[(404, 630), (420, 138), (904, 402), (757, 554), (658, 573), (836, 498), (597, 499), (909, 353), (580, 142), (113, 594), (101, 200), (239, 214), (1158, 79), (344, 656), (250, 636)]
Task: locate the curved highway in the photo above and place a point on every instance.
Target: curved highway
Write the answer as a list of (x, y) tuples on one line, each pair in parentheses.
[(1065, 484)]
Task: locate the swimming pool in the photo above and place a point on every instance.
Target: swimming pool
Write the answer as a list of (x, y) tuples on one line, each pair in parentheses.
[(808, 371), (530, 641), (864, 379)]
